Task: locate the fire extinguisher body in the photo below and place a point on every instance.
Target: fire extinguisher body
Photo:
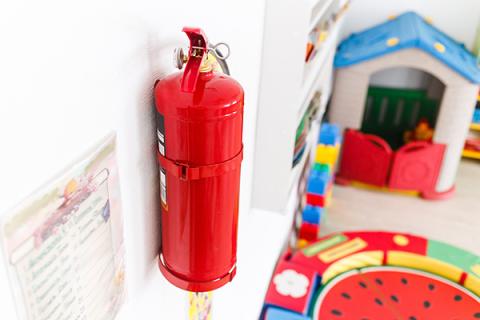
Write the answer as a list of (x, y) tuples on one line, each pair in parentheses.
[(200, 152)]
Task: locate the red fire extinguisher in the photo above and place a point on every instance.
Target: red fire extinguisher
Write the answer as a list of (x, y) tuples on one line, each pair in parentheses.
[(199, 128)]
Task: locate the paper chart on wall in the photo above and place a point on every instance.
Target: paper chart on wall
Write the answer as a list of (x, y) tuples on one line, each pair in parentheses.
[(64, 245)]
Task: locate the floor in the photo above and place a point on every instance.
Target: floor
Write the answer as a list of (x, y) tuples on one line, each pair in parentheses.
[(455, 221)]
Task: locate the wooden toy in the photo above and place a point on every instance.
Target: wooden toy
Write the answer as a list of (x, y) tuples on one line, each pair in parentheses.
[(384, 275), (378, 117)]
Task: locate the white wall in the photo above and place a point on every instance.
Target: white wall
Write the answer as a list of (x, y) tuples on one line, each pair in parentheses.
[(73, 71)]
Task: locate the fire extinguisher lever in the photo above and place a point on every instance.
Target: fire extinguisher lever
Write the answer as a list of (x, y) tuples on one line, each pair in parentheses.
[(198, 49)]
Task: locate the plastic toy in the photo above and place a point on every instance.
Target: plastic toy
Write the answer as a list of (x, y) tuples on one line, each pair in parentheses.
[(329, 135), (382, 275), (292, 287), (279, 314), (404, 41), (318, 191), (308, 231), (327, 154), (312, 214), (422, 132), (318, 182)]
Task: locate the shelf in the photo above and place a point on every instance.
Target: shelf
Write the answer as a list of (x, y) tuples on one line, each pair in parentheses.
[(318, 7), (314, 67), (311, 142), (282, 104), (471, 154), (475, 126)]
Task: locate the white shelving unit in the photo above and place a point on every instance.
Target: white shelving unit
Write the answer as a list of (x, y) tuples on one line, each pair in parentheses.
[(287, 86)]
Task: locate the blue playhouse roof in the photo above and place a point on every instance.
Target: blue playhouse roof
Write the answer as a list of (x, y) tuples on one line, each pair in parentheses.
[(411, 31)]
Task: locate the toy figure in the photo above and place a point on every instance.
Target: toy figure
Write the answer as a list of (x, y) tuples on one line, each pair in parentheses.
[(422, 132)]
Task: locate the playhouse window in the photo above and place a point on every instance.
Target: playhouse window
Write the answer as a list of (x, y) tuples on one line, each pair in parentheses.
[(398, 100)]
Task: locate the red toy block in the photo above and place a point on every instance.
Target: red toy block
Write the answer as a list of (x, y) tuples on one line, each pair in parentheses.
[(318, 200), (292, 287), (308, 231)]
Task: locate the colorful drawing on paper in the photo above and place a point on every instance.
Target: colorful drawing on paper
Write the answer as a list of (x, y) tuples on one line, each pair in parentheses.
[(200, 305), (64, 244)]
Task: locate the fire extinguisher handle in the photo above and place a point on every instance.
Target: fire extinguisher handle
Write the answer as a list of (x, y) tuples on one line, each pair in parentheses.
[(198, 49)]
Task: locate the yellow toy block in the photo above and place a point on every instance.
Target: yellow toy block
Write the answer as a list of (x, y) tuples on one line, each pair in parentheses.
[(327, 154)]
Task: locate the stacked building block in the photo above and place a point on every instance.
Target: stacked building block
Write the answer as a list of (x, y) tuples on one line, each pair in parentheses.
[(476, 115), (319, 183)]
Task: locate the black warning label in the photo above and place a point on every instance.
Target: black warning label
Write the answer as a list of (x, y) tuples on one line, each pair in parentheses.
[(161, 133)]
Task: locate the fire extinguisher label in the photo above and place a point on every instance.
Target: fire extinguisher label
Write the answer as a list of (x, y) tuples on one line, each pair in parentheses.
[(161, 133), (163, 187)]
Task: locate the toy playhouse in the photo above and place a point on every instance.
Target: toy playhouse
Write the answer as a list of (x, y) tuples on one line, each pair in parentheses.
[(408, 139)]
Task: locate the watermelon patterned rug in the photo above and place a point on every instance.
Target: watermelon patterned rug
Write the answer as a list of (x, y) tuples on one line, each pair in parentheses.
[(375, 276)]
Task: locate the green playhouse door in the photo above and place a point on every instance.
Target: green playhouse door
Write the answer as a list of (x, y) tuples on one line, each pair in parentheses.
[(390, 112)]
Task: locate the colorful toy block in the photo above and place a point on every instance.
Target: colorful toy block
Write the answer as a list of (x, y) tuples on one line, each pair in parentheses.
[(291, 288), (321, 167), (312, 214), (329, 134), (308, 231), (327, 154), (476, 116), (319, 200), (280, 314), (318, 182)]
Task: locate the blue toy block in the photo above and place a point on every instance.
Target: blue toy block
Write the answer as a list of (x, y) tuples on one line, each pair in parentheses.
[(476, 116), (280, 314), (318, 182), (329, 134), (312, 214)]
